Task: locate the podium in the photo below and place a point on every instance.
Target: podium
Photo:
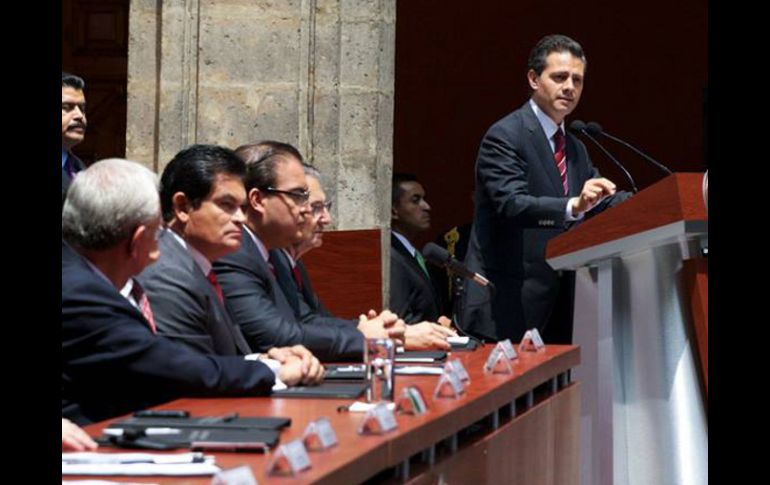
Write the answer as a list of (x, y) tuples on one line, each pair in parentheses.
[(643, 417)]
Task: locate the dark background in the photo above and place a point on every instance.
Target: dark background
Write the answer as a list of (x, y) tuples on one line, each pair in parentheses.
[(460, 67)]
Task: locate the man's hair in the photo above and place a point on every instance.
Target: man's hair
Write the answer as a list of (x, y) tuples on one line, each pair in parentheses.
[(193, 172), (311, 171), (262, 160), (107, 202), (72, 81), (397, 191), (553, 43)]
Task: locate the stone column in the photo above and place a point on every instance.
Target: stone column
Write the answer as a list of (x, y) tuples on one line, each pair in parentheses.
[(315, 73)]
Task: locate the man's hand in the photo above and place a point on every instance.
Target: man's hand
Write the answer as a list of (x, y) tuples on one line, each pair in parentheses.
[(427, 335), (75, 439), (385, 325), (594, 191), (298, 365), (444, 321)]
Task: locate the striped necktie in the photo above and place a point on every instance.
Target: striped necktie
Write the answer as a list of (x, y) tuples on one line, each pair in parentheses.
[(560, 156)]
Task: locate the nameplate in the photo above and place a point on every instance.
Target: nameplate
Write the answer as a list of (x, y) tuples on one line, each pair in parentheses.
[(240, 475), (378, 420), (411, 401), (449, 385), (458, 368), (508, 350), (290, 459), (532, 341), (319, 435), (497, 362)]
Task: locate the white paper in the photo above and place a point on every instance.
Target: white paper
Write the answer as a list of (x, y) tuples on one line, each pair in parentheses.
[(417, 370), (136, 464), (362, 407)]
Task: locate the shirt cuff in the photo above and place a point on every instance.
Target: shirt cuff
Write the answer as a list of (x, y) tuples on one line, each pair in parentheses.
[(274, 366), (568, 213)]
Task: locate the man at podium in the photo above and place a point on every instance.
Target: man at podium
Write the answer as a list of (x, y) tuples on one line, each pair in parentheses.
[(533, 181)]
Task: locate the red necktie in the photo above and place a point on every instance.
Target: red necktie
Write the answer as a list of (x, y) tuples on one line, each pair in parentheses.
[(560, 156), (215, 283), (297, 277), (144, 305)]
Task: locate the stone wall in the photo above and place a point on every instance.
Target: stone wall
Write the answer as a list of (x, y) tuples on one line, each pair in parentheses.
[(315, 73)]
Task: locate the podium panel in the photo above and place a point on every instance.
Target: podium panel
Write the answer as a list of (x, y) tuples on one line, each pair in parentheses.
[(643, 417)]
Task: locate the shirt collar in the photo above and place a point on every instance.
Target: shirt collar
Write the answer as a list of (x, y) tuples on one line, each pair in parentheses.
[(260, 245), (203, 263), (406, 243), (290, 258), (548, 125)]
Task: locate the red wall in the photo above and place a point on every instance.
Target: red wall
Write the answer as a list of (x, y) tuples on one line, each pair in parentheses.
[(460, 66)]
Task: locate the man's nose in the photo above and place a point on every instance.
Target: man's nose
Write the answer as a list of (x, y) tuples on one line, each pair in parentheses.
[(239, 216)]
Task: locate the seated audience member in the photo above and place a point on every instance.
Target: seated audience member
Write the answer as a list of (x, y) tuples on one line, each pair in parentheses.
[(201, 194), (112, 360), (73, 438), (276, 208), (412, 294)]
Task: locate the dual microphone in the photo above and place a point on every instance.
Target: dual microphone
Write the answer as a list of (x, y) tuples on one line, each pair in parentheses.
[(592, 129)]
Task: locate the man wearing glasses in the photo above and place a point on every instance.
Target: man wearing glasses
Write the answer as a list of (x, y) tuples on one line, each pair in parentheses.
[(276, 208)]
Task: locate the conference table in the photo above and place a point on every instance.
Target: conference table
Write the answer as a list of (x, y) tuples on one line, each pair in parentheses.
[(521, 427)]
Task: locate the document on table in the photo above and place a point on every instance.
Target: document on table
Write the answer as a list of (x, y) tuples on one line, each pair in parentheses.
[(137, 464)]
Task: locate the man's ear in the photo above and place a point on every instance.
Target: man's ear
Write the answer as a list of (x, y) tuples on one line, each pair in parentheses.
[(393, 212), (136, 236), (533, 79), (181, 206), (256, 200)]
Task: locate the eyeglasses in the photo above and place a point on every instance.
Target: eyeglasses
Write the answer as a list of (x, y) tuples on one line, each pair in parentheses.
[(300, 197), (317, 208)]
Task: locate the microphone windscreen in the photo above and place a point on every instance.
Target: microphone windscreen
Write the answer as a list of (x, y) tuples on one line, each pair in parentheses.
[(577, 126), (435, 254), (594, 128)]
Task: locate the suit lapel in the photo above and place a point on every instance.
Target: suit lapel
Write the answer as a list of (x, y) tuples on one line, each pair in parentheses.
[(285, 279), (395, 243), (307, 289), (218, 310), (543, 150)]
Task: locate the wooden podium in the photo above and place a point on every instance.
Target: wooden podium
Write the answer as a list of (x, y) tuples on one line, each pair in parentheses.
[(639, 286)]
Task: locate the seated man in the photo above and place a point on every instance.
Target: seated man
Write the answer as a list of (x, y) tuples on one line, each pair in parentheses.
[(412, 294), (276, 208), (420, 336), (201, 197), (112, 360)]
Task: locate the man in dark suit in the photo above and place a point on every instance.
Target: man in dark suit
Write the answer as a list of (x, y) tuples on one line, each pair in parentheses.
[(113, 362), (73, 127), (201, 198), (201, 194), (413, 296), (277, 204), (532, 181)]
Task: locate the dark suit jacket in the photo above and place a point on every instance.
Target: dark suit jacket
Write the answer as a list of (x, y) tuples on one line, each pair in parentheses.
[(112, 364), (256, 303), (520, 206), (309, 295), (185, 306), (412, 294), (66, 180), (307, 308)]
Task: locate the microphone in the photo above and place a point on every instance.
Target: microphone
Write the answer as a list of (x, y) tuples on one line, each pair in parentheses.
[(595, 129), (437, 255), (586, 129)]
